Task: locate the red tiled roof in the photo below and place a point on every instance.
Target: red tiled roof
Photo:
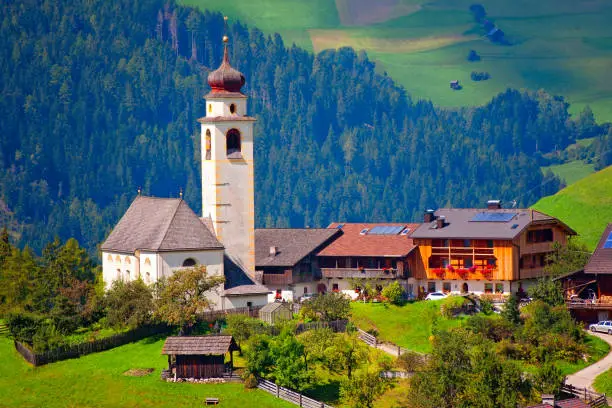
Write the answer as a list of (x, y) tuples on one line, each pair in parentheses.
[(601, 260), (352, 243)]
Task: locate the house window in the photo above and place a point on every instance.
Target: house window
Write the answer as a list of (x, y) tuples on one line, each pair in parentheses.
[(467, 243), (249, 305), (233, 147), (233, 108), (147, 261), (189, 262), (279, 294), (118, 274), (499, 288), (127, 260), (488, 288), (445, 262), (446, 287), (490, 243), (491, 262), (208, 144), (109, 258), (305, 290), (127, 275), (543, 235), (118, 259), (431, 287), (468, 262), (335, 287)]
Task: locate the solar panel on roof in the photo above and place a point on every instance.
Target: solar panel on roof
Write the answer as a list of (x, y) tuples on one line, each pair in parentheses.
[(385, 230), (493, 217), (608, 243)]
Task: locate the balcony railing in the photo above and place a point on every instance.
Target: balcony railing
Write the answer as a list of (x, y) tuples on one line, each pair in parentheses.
[(361, 273), (478, 273), (462, 251)]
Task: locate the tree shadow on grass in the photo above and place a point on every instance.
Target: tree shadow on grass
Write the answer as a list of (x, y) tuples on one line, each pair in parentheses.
[(328, 392)]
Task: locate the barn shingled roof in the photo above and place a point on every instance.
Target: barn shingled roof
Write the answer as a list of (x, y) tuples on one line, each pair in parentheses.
[(199, 345)]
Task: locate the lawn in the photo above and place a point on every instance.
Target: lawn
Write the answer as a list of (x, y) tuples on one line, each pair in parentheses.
[(603, 383), (586, 206), (409, 326), (562, 46), (97, 380)]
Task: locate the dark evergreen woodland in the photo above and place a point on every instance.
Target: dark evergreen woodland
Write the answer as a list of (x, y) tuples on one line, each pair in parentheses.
[(101, 97)]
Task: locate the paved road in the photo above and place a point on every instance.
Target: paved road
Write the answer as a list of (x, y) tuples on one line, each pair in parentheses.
[(585, 377)]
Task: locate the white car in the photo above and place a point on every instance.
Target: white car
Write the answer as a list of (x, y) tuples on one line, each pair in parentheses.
[(435, 296), (603, 326)]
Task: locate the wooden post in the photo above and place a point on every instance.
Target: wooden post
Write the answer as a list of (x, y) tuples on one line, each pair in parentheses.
[(399, 351), (300, 400), (277, 391)]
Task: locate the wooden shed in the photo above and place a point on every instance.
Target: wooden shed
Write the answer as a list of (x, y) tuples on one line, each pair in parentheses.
[(199, 356), (273, 312)]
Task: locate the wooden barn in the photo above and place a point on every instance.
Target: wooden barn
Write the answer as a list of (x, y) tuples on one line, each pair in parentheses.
[(199, 356), (273, 312)]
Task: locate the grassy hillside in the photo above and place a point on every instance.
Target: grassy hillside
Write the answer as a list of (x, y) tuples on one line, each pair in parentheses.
[(98, 380), (563, 46), (586, 205), (572, 171)]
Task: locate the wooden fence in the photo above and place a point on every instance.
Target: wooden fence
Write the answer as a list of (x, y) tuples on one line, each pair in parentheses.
[(290, 395), (222, 314), (367, 338), (594, 399), (81, 349), (4, 330)]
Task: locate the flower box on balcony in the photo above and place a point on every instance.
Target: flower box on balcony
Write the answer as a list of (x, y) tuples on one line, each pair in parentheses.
[(439, 272), (463, 273)]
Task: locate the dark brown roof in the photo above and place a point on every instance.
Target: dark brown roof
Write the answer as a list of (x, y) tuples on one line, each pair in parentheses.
[(292, 244), (160, 224), (353, 243), (199, 345), (601, 260), (254, 289), (459, 224)]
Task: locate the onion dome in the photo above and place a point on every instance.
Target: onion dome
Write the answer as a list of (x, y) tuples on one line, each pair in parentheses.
[(225, 78)]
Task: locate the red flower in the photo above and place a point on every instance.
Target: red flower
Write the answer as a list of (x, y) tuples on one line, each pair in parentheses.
[(210, 325)]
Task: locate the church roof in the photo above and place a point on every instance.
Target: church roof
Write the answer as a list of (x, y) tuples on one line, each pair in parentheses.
[(160, 224), (225, 80)]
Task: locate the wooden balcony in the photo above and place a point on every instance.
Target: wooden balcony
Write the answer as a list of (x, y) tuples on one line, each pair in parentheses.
[(278, 278), (532, 272), (536, 248), (357, 273), (588, 305), (479, 273), (456, 251)]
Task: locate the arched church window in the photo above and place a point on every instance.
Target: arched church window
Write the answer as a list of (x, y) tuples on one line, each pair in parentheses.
[(147, 261), (208, 144), (127, 275), (118, 259), (118, 274), (109, 258), (127, 260), (233, 144), (233, 108), (189, 262)]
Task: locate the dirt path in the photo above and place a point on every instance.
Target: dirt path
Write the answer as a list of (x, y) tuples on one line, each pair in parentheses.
[(585, 377)]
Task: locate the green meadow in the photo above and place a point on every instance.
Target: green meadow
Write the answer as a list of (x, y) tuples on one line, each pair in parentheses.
[(562, 46), (586, 206), (98, 380)]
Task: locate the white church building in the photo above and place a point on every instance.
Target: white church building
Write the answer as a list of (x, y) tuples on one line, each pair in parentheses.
[(157, 236)]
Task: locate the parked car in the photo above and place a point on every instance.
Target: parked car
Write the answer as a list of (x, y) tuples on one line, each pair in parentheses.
[(307, 296), (604, 326), (435, 296)]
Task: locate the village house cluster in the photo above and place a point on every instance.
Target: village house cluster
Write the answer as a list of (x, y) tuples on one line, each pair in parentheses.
[(489, 250)]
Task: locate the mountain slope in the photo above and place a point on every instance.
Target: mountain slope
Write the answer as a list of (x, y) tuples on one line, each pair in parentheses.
[(562, 46), (586, 205)]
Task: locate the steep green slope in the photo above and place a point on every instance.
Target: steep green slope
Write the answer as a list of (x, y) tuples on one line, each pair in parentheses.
[(586, 205), (563, 46)]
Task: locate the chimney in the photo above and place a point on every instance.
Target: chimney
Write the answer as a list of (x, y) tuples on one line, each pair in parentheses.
[(273, 250), (440, 222), (429, 216), (548, 399), (494, 205)]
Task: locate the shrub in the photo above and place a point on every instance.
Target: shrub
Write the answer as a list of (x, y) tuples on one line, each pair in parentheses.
[(411, 362), (250, 381), (394, 293), (486, 306), (128, 304), (23, 326)]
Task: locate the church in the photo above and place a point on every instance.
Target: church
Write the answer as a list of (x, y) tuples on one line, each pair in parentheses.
[(157, 236)]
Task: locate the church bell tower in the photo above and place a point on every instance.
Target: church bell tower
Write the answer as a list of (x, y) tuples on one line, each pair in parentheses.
[(227, 165)]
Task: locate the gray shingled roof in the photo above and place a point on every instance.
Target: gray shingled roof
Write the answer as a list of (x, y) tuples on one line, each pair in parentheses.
[(293, 244), (601, 260), (271, 307), (199, 345), (160, 224), (458, 224), (253, 289)]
